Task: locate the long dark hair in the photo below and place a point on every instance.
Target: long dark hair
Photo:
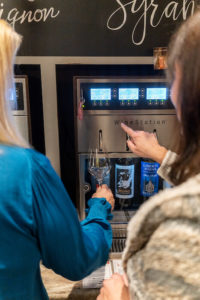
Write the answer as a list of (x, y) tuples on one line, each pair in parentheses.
[(184, 50)]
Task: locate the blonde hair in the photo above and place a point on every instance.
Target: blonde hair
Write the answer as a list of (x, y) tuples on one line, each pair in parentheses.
[(9, 44)]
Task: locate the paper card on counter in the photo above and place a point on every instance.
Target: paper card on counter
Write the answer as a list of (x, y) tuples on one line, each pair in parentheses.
[(117, 266), (95, 279)]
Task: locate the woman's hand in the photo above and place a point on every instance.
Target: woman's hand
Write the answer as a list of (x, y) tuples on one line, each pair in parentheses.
[(114, 289), (144, 144), (104, 192)]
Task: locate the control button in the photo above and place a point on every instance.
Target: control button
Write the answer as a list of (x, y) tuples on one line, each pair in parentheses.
[(107, 103), (101, 103), (94, 103), (122, 103), (86, 188), (129, 103)]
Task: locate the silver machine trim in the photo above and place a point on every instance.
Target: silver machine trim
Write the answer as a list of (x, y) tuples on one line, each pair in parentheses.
[(104, 126)]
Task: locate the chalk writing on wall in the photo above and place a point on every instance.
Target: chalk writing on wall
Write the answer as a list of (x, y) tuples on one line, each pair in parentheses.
[(95, 27), (148, 13), (37, 15)]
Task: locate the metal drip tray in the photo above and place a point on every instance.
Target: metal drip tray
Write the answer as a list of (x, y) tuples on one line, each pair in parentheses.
[(119, 228), (122, 217), (118, 245), (119, 240)]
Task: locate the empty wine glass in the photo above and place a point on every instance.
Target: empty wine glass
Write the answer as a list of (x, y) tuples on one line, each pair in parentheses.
[(98, 166)]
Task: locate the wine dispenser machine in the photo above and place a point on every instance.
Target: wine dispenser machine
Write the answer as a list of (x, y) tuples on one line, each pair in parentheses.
[(101, 104)]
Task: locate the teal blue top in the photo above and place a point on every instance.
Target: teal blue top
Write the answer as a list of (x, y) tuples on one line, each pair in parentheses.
[(39, 222)]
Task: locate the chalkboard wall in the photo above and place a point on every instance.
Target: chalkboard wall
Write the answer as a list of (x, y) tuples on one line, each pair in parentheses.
[(95, 27)]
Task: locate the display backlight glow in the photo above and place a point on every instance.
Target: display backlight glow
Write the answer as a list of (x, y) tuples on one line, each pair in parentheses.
[(128, 94), (100, 94), (156, 93)]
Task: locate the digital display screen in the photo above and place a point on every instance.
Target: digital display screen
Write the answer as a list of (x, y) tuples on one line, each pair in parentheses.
[(100, 94), (156, 94), (129, 94)]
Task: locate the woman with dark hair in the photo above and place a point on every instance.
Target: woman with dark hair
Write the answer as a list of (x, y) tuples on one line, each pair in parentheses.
[(162, 254)]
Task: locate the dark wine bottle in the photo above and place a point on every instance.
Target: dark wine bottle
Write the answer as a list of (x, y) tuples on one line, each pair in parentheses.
[(124, 182), (149, 182)]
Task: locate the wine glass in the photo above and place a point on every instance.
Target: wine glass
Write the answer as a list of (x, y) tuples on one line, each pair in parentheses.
[(98, 166)]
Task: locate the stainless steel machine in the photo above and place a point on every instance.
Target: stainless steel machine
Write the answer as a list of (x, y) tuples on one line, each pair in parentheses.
[(20, 107), (101, 104)]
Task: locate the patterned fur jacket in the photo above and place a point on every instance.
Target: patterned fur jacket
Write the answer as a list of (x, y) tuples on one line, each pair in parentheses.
[(162, 254)]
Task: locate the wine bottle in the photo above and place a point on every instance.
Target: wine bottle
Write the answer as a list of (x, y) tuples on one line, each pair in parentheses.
[(124, 182), (149, 178)]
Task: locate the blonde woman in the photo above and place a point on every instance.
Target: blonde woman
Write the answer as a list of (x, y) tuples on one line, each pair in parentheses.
[(37, 218)]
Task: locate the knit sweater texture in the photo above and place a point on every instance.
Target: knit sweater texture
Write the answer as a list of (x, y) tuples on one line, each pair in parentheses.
[(162, 253)]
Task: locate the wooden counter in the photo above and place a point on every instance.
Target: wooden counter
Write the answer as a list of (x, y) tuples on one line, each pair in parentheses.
[(59, 288)]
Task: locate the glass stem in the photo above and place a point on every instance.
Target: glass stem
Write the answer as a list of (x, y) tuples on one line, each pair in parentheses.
[(100, 182)]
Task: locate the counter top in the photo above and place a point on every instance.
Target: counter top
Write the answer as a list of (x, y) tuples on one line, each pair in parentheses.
[(59, 288)]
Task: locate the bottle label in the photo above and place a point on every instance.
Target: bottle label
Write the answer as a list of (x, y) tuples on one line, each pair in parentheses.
[(149, 178), (124, 181)]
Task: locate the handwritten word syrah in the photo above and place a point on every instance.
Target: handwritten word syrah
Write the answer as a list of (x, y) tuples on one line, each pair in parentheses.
[(148, 11)]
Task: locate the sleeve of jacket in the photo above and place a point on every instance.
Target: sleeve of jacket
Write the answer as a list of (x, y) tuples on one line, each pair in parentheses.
[(164, 169), (163, 244), (72, 249)]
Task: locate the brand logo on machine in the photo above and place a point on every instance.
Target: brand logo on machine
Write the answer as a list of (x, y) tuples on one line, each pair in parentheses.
[(140, 122)]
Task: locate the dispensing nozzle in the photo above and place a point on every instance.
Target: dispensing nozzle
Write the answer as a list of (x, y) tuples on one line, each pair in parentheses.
[(100, 140), (127, 139), (155, 133)]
